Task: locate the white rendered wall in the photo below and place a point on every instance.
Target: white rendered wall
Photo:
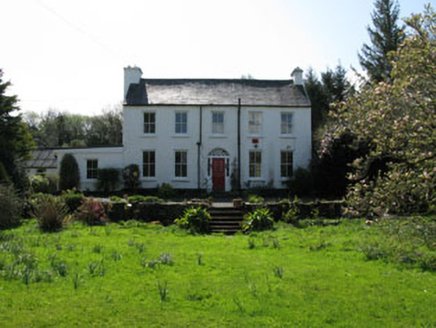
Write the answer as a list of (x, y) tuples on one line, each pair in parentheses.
[(165, 142), (110, 157)]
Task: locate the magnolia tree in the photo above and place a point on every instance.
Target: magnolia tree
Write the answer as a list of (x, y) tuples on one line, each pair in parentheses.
[(398, 120)]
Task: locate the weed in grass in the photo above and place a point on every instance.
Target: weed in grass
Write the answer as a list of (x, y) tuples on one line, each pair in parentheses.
[(428, 263), (153, 264), (143, 262), (58, 247), (70, 247), (107, 230), (251, 243), (38, 276), (140, 247), (131, 242), (48, 275), (268, 284), (276, 243), (116, 256), (97, 249), (163, 290), (60, 266), (52, 258), (239, 304), (166, 259), (12, 247), (26, 273), (321, 245), (374, 252), (76, 280), (200, 259), (28, 260), (198, 297), (92, 267), (278, 272), (101, 268), (2, 264), (265, 242), (251, 286)]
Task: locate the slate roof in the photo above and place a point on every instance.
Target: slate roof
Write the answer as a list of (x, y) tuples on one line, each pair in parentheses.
[(217, 92), (42, 158)]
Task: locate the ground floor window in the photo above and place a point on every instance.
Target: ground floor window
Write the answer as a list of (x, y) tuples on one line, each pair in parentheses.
[(91, 168), (255, 164), (286, 164), (149, 163), (181, 164)]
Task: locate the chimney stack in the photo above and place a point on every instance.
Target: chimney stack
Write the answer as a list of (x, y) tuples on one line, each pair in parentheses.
[(132, 75), (297, 75)]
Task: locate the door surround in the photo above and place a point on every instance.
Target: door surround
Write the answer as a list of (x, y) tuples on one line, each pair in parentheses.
[(218, 153)]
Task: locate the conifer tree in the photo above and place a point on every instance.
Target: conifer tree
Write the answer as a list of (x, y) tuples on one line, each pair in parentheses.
[(386, 35), (15, 139)]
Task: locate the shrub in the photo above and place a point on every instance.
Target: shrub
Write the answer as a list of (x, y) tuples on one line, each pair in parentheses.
[(47, 184), (50, 212), (72, 199), (258, 220), (292, 214), (301, 184), (117, 199), (91, 212), (11, 206), (196, 220), (69, 175), (145, 199), (108, 179), (333, 164), (255, 199), (165, 191), (131, 177), (4, 176)]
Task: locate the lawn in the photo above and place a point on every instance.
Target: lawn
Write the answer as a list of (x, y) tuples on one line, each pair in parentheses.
[(144, 275)]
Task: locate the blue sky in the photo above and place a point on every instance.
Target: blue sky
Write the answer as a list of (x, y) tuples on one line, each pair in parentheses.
[(69, 55)]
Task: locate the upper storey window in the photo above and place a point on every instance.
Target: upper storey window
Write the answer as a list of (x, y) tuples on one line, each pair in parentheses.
[(149, 123), (181, 123), (217, 123), (286, 124), (254, 122)]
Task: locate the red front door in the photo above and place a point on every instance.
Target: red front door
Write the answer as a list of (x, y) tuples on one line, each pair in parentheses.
[(218, 173)]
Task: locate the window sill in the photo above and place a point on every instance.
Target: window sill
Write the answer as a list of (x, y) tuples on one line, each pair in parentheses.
[(217, 136), (146, 179), (180, 135), (287, 136), (254, 136), (257, 179), (181, 179)]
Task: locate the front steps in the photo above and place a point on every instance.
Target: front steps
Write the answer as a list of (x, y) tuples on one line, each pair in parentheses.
[(227, 220)]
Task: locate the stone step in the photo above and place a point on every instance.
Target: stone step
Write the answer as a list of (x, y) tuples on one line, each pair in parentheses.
[(225, 223), (226, 231), (226, 220), (231, 218)]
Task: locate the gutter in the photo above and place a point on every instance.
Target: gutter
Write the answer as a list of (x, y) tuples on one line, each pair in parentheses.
[(239, 144), (199, 149)]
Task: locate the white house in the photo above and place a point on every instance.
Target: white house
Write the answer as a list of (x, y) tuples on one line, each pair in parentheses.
[(205, 133)]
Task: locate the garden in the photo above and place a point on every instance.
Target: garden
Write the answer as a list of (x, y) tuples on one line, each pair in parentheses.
[(63, 267)]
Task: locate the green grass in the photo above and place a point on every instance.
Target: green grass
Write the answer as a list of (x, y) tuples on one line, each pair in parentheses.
[(151, 276)]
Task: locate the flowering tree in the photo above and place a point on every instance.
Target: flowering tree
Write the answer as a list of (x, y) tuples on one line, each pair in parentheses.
[(398, 119)]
